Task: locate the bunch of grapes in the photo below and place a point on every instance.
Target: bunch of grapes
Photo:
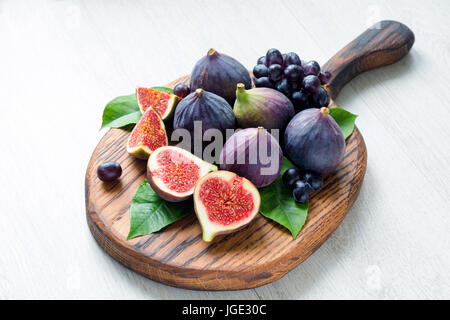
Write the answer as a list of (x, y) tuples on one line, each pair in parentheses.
[(302, 183), (298, 80)]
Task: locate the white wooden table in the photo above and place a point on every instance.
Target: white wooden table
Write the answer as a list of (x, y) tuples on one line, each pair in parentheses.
[(62, 61)]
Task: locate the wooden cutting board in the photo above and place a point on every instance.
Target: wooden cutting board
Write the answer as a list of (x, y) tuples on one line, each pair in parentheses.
[(264, 251)]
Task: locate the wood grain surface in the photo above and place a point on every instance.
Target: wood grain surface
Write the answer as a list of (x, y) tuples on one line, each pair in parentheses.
[(382, 44)]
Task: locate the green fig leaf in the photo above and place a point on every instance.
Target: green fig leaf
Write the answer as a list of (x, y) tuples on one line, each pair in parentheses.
[(278, 204), (345, 120), (120, 112), (150, 213), (163, 89), (124, 111)]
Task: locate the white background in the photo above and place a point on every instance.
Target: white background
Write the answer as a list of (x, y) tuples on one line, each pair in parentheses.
[(62, 61)]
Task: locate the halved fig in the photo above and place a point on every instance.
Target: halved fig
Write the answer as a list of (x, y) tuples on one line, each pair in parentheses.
[(163, 102), (173, 172), (224, 203), (148, 135)]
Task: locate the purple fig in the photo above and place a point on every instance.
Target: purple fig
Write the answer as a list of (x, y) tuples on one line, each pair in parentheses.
[(218, 73), (262, 107), (314, 141), (208, 108), (253, 153)]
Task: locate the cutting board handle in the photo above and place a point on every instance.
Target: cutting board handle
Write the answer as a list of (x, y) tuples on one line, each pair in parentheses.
[(384, 43)]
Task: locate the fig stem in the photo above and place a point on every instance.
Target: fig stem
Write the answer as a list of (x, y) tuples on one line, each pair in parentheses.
[(211, 52), (324, 110), (241, 93), (199, 92)]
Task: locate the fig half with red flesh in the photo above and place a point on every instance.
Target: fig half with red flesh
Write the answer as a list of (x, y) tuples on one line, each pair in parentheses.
[(224, 203), (163, 102), (148, 135), (173, 172)]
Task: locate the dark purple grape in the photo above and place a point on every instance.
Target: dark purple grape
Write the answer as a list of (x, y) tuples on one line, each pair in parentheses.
[(181, 90), (311, 68), (324, 77), (314, 179), (291, 176), (284, 61), (109, 171), (261, 60), (311, 83), (299, 196), (301, 191), (294, 73), (296, 85), (260, 70), (275, 72), (303, 183), (320, 98), (327, 102), (263, 82), (274, 56), (311, 103), (292, 58), (315, 64), (285, 87), (300, 98)]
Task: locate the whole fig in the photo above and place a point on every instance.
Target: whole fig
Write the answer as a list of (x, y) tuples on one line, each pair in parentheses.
[(219, 73), (314, 141), (253, 153), (262, 107), (212, 111)]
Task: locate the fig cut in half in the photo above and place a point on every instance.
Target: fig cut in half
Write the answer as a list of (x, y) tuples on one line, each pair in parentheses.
[(148, 135), (174, 172), (224, 203), (163, 102)]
